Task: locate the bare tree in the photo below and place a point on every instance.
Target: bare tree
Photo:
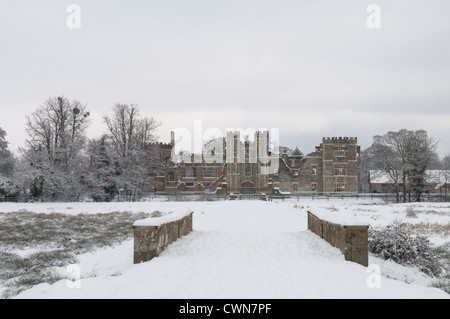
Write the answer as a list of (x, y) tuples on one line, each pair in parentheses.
[(446, 178), (58, 127), (405, 155), (130, 134), (55, 146), (128, 130), (385, 158)]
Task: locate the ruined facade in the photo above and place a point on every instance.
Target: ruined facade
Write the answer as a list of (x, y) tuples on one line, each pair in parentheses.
[(334, 167), (247, 167)]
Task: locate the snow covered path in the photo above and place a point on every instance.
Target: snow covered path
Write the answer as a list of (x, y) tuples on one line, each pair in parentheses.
[(235, 251)]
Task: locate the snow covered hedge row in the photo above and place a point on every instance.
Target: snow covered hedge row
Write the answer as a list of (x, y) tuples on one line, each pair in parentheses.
[(397, 244)]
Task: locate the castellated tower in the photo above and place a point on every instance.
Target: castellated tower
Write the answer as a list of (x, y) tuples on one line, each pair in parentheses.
[(341, 164)]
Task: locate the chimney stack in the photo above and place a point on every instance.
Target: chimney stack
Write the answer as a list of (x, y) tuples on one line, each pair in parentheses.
[(172, 138)]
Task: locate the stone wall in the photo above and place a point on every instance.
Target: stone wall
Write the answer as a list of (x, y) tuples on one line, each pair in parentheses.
[(151, 239), (352, 240)]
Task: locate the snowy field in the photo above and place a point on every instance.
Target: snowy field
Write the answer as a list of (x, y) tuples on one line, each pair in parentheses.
[(246, 249)]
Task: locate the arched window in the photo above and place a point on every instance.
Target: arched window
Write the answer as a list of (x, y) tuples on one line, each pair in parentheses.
[(248, 170)]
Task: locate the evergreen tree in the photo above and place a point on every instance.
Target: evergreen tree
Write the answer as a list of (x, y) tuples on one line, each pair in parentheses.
[(6, 157), (103, 174)]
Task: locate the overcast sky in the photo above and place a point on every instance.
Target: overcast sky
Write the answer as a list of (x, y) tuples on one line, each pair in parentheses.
[(310, 68)]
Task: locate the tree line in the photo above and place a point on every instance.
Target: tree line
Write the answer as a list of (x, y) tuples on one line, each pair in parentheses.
[(59, 162)]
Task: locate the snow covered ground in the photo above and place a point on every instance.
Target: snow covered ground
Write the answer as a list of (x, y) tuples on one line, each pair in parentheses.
[(246, 249)]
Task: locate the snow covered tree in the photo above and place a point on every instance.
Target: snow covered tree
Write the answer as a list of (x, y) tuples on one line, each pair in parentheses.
[(6, 157), (102, 178), (55, 149), (130, 134), (8, 188), (33, 173), (128, 131), (58, 128), (7, 163)]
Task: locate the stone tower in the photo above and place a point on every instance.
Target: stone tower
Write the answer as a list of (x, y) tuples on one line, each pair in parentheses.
[(341, 164), (244, 162)]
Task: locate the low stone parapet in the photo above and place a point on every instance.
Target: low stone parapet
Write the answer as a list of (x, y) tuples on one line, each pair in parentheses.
[(352, 240), (153, 235)]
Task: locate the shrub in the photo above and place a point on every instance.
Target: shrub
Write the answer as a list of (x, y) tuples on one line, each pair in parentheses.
[(443, 284), (397, 244)]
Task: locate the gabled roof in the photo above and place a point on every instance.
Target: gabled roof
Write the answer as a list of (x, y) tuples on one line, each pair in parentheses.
[(438, 177), (378, 176), (296, 153)]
